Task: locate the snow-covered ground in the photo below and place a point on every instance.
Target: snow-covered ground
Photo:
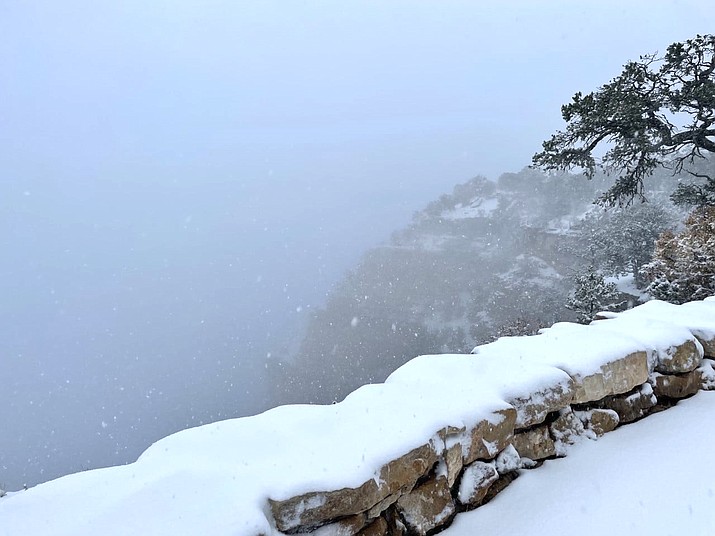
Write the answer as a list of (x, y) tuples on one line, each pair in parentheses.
[(216, 479), (652, 477)]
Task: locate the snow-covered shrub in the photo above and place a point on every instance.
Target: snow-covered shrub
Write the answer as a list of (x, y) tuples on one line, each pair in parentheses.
[(683, 267)]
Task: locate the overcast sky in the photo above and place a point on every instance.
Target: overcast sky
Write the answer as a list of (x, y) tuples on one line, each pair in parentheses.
[(181, 182)]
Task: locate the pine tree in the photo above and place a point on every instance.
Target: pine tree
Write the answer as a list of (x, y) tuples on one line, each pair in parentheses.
[(658, 112), (620, 241), (683, 267), (591, 294)]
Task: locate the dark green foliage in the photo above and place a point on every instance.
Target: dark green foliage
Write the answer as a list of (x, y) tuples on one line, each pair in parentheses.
[(699, 191), (591, 294), (633, 118)]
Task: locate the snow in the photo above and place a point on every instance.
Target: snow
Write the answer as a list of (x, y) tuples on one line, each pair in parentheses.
[(508, 460), (216, 479), (626, 284), (698, 317), (634, 480), (576, 349), (478, 208), (475, 476), (657, 336)]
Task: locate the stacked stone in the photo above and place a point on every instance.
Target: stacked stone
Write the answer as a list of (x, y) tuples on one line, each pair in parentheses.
[(461, 468)]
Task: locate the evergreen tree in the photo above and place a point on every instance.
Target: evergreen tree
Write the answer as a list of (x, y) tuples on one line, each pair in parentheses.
[(591, 294), (621, 241), (683, 267), (659, 111)]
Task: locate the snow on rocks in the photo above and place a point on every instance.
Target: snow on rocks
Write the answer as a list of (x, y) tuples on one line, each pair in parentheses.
[(672, 348), (599, 421), (508, 460), (391, 457), (698, 317), (566, 430), (707, 373), (598, 366), (475, 483)]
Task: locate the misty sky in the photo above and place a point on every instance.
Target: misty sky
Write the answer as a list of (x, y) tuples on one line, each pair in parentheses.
[(183, 181)]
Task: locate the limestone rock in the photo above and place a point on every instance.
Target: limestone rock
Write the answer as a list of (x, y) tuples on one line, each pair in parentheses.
[(487, 438), (532, 409), (679, 359), (501, 483), (428, 506), (632, 406), (475, 482), (708, 345), (615, 377), (395, 526), (676, 386), (317, 508), (383, 505), (535, 444), (349, 526), (600, 421), (453, 462), (707, 373), (565, 430), (376, 528)]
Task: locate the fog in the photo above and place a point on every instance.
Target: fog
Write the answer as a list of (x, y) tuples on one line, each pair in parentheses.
[(183, 182)]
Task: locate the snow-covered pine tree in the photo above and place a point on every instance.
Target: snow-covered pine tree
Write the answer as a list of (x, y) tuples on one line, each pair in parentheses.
[(683, 267), (619, 241), (591, 294)]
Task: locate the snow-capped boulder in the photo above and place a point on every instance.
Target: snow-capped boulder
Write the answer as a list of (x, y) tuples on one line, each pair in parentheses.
[(698, 317), (598, 366), (680, 359), (614, 377), (491, 436), (672, 348), (312, 509)]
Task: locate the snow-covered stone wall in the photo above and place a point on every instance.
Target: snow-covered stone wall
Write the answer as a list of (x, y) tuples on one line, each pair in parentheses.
[(443, 434)]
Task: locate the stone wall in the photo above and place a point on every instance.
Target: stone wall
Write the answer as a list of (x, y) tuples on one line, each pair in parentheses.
[(583, 382)]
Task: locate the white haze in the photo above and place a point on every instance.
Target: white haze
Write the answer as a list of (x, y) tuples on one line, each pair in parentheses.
[(182, 182)]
